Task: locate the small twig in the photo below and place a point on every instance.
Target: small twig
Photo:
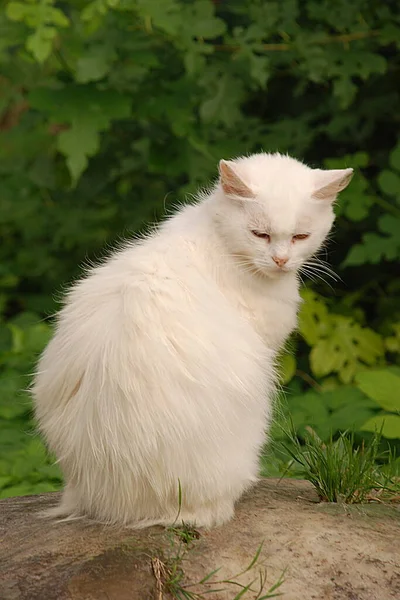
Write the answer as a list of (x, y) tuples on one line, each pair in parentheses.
[(60, 57), (348, 37), (344, 38), (159, 574), (387, 206), (308, 379)]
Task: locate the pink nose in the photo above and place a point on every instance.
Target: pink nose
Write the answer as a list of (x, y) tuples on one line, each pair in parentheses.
[(280, 261)]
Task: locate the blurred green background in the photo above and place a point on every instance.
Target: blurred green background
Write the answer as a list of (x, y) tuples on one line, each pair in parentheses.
[(113, 110)]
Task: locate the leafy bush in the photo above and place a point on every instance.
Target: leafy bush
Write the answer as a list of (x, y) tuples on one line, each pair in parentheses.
[(112, 110), (25, 467)]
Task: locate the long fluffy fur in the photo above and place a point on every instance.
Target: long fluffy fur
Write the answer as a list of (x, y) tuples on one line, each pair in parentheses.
[(160, 375)]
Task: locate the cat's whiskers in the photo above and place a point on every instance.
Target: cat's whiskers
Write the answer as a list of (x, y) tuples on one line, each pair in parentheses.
[(312, 274), (245, 264), (319, 273), (302, 282), (322, 266)]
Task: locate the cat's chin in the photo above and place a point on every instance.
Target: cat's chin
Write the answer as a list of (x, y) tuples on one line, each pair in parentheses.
[(273, 273), (276, 273)]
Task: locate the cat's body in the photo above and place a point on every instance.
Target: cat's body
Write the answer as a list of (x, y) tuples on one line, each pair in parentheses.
[(160, 376)]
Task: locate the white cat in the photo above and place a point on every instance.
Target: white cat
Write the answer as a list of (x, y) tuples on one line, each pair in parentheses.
[(160, 375)]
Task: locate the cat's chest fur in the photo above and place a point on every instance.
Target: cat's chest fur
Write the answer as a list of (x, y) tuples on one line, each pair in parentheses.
[(270, 307)]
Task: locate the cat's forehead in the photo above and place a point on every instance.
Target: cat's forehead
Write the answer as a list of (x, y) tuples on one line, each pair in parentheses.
[(283, 187), (282, 215), (275, 172)]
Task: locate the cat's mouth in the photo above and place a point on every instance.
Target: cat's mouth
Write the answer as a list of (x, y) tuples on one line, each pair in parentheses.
[(276, 271), (264, 269)]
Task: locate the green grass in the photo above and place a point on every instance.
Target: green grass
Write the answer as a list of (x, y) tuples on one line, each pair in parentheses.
[(170, 574), (342, 471)]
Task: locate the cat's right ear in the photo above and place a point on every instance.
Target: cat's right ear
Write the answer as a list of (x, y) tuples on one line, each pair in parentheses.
[(232, 184), (329, 183)]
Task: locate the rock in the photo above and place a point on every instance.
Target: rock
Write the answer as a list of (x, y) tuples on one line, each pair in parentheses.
[(328, 552)]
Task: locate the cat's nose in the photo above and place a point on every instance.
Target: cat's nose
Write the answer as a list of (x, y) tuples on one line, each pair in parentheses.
[(280, 261)]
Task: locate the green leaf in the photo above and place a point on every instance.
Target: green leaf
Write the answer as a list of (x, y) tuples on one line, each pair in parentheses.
[(358, 255), (77, 144), (88, 111), (392, 343), (313, 318), (325, 357), (36, 337), (389, 182), (286, 367), (389, 424), (345, 90), (343, 347), (166, 15), (40, 43), (356, 200), (390, 225), (259, 69), (310, 410), (376, 247), (204, 24), (94, 11), (194, 61), (95, 63), (16, 11), (346, 395), (223, 105), (382, 386), (394, 158), (44, 18), (350, 417)]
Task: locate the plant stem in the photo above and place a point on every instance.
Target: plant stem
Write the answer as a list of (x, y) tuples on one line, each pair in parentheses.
[(308, 379), (344, 38), (386, 205)]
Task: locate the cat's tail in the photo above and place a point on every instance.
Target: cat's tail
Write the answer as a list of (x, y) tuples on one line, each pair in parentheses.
[(68, 510), (59, 514)]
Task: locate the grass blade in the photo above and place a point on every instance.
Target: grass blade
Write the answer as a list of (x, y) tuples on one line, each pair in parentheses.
[(207, 577)]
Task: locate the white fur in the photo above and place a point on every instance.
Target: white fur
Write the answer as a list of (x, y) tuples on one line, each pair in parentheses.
[(161, 372)]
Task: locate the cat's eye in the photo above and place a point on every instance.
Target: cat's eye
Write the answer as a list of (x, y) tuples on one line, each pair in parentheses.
[(301, 236), (261, 234)]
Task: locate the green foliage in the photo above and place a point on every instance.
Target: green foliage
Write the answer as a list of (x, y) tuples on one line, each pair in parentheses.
[(341, 472), (25, 467), (43, 18), (113, 110), (386, 243), (87, 112), (339, 344)]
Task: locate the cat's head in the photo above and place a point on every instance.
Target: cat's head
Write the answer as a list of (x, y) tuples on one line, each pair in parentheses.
[(275, 212)]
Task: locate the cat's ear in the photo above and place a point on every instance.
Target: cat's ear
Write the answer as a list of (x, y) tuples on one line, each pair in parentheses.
[(231, 183), (329, 183)]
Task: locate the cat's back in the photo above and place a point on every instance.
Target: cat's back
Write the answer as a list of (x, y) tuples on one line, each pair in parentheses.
[(158, 296), (152, 313), (168, 269)]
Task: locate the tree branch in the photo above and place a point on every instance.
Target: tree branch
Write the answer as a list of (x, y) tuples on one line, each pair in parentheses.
[(344, 38)]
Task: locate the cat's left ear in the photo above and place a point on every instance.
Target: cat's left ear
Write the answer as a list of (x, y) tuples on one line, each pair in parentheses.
[(329, 183), (232, 184)]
